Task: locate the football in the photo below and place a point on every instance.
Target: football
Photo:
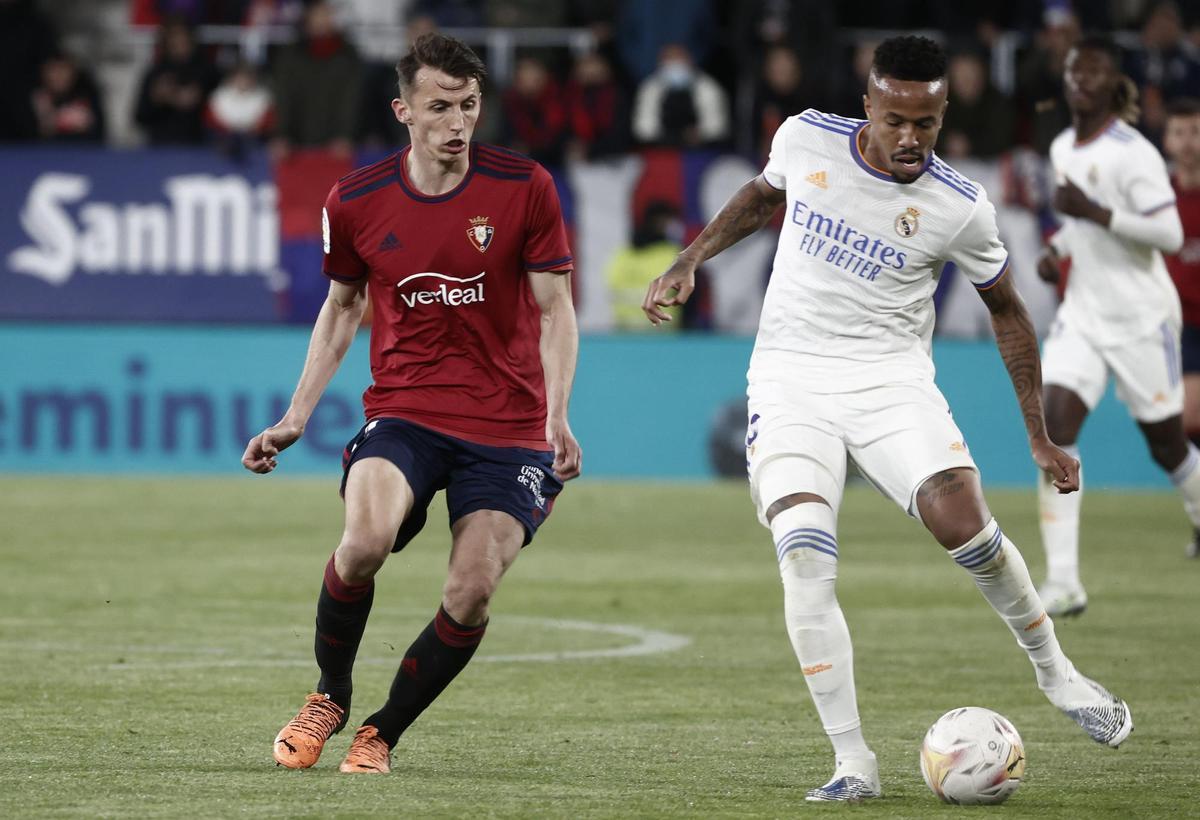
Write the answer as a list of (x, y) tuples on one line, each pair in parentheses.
[(972, 755)]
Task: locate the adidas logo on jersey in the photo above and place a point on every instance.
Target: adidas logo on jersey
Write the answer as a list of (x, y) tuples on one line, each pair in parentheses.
[(817, 179), (390, 243)]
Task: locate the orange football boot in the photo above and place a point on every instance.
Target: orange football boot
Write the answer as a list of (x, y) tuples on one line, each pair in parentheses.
[(298, 744), (369, 753)]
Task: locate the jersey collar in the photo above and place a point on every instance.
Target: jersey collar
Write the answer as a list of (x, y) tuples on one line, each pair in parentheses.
[(1100, 132), (879, 173), (408, 188)]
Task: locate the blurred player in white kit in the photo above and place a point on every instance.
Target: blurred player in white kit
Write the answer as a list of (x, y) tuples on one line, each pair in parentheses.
[(1120, 313)]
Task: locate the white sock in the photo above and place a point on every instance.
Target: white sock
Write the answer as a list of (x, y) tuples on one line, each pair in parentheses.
[(1186, 478), (1001, 575), (1060, 528), (806, 545)]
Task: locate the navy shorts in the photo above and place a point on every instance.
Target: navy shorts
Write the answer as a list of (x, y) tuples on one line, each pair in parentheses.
[(513, 480), (1189, 343)]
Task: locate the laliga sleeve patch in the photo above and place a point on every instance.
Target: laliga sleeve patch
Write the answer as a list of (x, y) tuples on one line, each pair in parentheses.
[(325, 229)]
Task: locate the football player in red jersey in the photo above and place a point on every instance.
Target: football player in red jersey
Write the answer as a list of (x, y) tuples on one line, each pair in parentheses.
[(1181, 143), (462, 251)]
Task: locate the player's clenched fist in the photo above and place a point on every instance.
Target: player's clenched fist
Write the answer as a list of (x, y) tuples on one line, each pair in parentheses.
[(1047, 266), (568, 457), (1061, 467), (262, 449)]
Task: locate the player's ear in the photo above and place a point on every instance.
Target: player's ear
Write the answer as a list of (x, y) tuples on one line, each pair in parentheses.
[(867, 105), (401, 110)]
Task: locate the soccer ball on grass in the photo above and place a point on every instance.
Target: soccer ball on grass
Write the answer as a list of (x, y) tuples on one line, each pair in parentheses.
[(972, 755)]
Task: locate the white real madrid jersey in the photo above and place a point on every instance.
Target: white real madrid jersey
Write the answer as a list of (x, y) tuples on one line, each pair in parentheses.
[(1117, 289), (850, 302)]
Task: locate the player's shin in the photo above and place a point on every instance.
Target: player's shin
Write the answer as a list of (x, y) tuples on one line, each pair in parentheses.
[(1060, 528), (1001, 575), (438, 654), (806, 546), (342, 611)]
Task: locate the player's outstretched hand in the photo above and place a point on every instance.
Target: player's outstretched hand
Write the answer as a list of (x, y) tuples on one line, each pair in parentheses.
[(1062, 468), (1047, 266), (261, 451), (672, 288), (568, 457)]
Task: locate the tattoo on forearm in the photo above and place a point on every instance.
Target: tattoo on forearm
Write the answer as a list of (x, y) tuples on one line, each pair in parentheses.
[(744, 213), (1017, 341)]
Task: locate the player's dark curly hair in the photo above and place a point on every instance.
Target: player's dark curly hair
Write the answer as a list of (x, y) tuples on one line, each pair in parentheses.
[(1125, 96), (909, 57), (440, 51)]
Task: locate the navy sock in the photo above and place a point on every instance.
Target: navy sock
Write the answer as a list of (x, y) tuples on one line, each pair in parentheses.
[(438, 654)]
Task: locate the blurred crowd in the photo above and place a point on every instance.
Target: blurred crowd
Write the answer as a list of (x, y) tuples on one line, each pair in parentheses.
[(675, 74), (687, 73)]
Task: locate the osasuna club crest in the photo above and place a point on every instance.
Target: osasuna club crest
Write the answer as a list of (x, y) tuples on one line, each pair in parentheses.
[(480, 233), (906, 223)]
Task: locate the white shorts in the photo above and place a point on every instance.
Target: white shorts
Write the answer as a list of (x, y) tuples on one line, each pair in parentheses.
[(898, 435), (1147, 370)]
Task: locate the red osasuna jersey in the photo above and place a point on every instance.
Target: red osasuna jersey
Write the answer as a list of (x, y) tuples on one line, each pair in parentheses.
[(455, 328), (1185, 265)]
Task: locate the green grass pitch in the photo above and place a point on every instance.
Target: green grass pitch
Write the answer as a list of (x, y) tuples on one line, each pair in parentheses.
[(156, 634)]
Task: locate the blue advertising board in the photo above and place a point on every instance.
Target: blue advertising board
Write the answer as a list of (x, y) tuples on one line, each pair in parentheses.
[(172, 235), (78, 398)]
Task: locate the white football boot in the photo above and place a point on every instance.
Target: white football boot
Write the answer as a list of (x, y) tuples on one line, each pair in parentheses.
[(1100, 713), (853, 780), (1062, 601)]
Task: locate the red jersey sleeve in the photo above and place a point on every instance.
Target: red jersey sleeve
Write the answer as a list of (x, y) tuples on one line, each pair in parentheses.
[(341, 261), (546, 246)]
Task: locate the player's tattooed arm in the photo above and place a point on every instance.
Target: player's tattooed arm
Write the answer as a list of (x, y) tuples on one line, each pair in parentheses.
[(748, 210), (1017, 341)]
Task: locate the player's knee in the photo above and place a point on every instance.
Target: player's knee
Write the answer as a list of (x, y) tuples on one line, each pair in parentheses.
[(1065, 413), (953, 534), (1168, 454), (1061, 432), (1191, 426), (467, 596), (359, 557), (952, 529)]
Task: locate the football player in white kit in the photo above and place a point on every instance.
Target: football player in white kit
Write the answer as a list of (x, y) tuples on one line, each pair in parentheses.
[(842, 369), (1120, 313)]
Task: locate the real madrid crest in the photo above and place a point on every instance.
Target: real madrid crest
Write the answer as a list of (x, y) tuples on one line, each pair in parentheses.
[(907, 224), (480, 233)]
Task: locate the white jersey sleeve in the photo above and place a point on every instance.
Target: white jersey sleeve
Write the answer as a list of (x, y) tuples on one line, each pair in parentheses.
[(977, 250), (1145, 182), (1119, 289), (775, 173)]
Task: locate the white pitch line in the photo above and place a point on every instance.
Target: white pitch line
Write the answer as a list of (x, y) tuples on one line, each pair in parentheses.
[(646, 642)]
